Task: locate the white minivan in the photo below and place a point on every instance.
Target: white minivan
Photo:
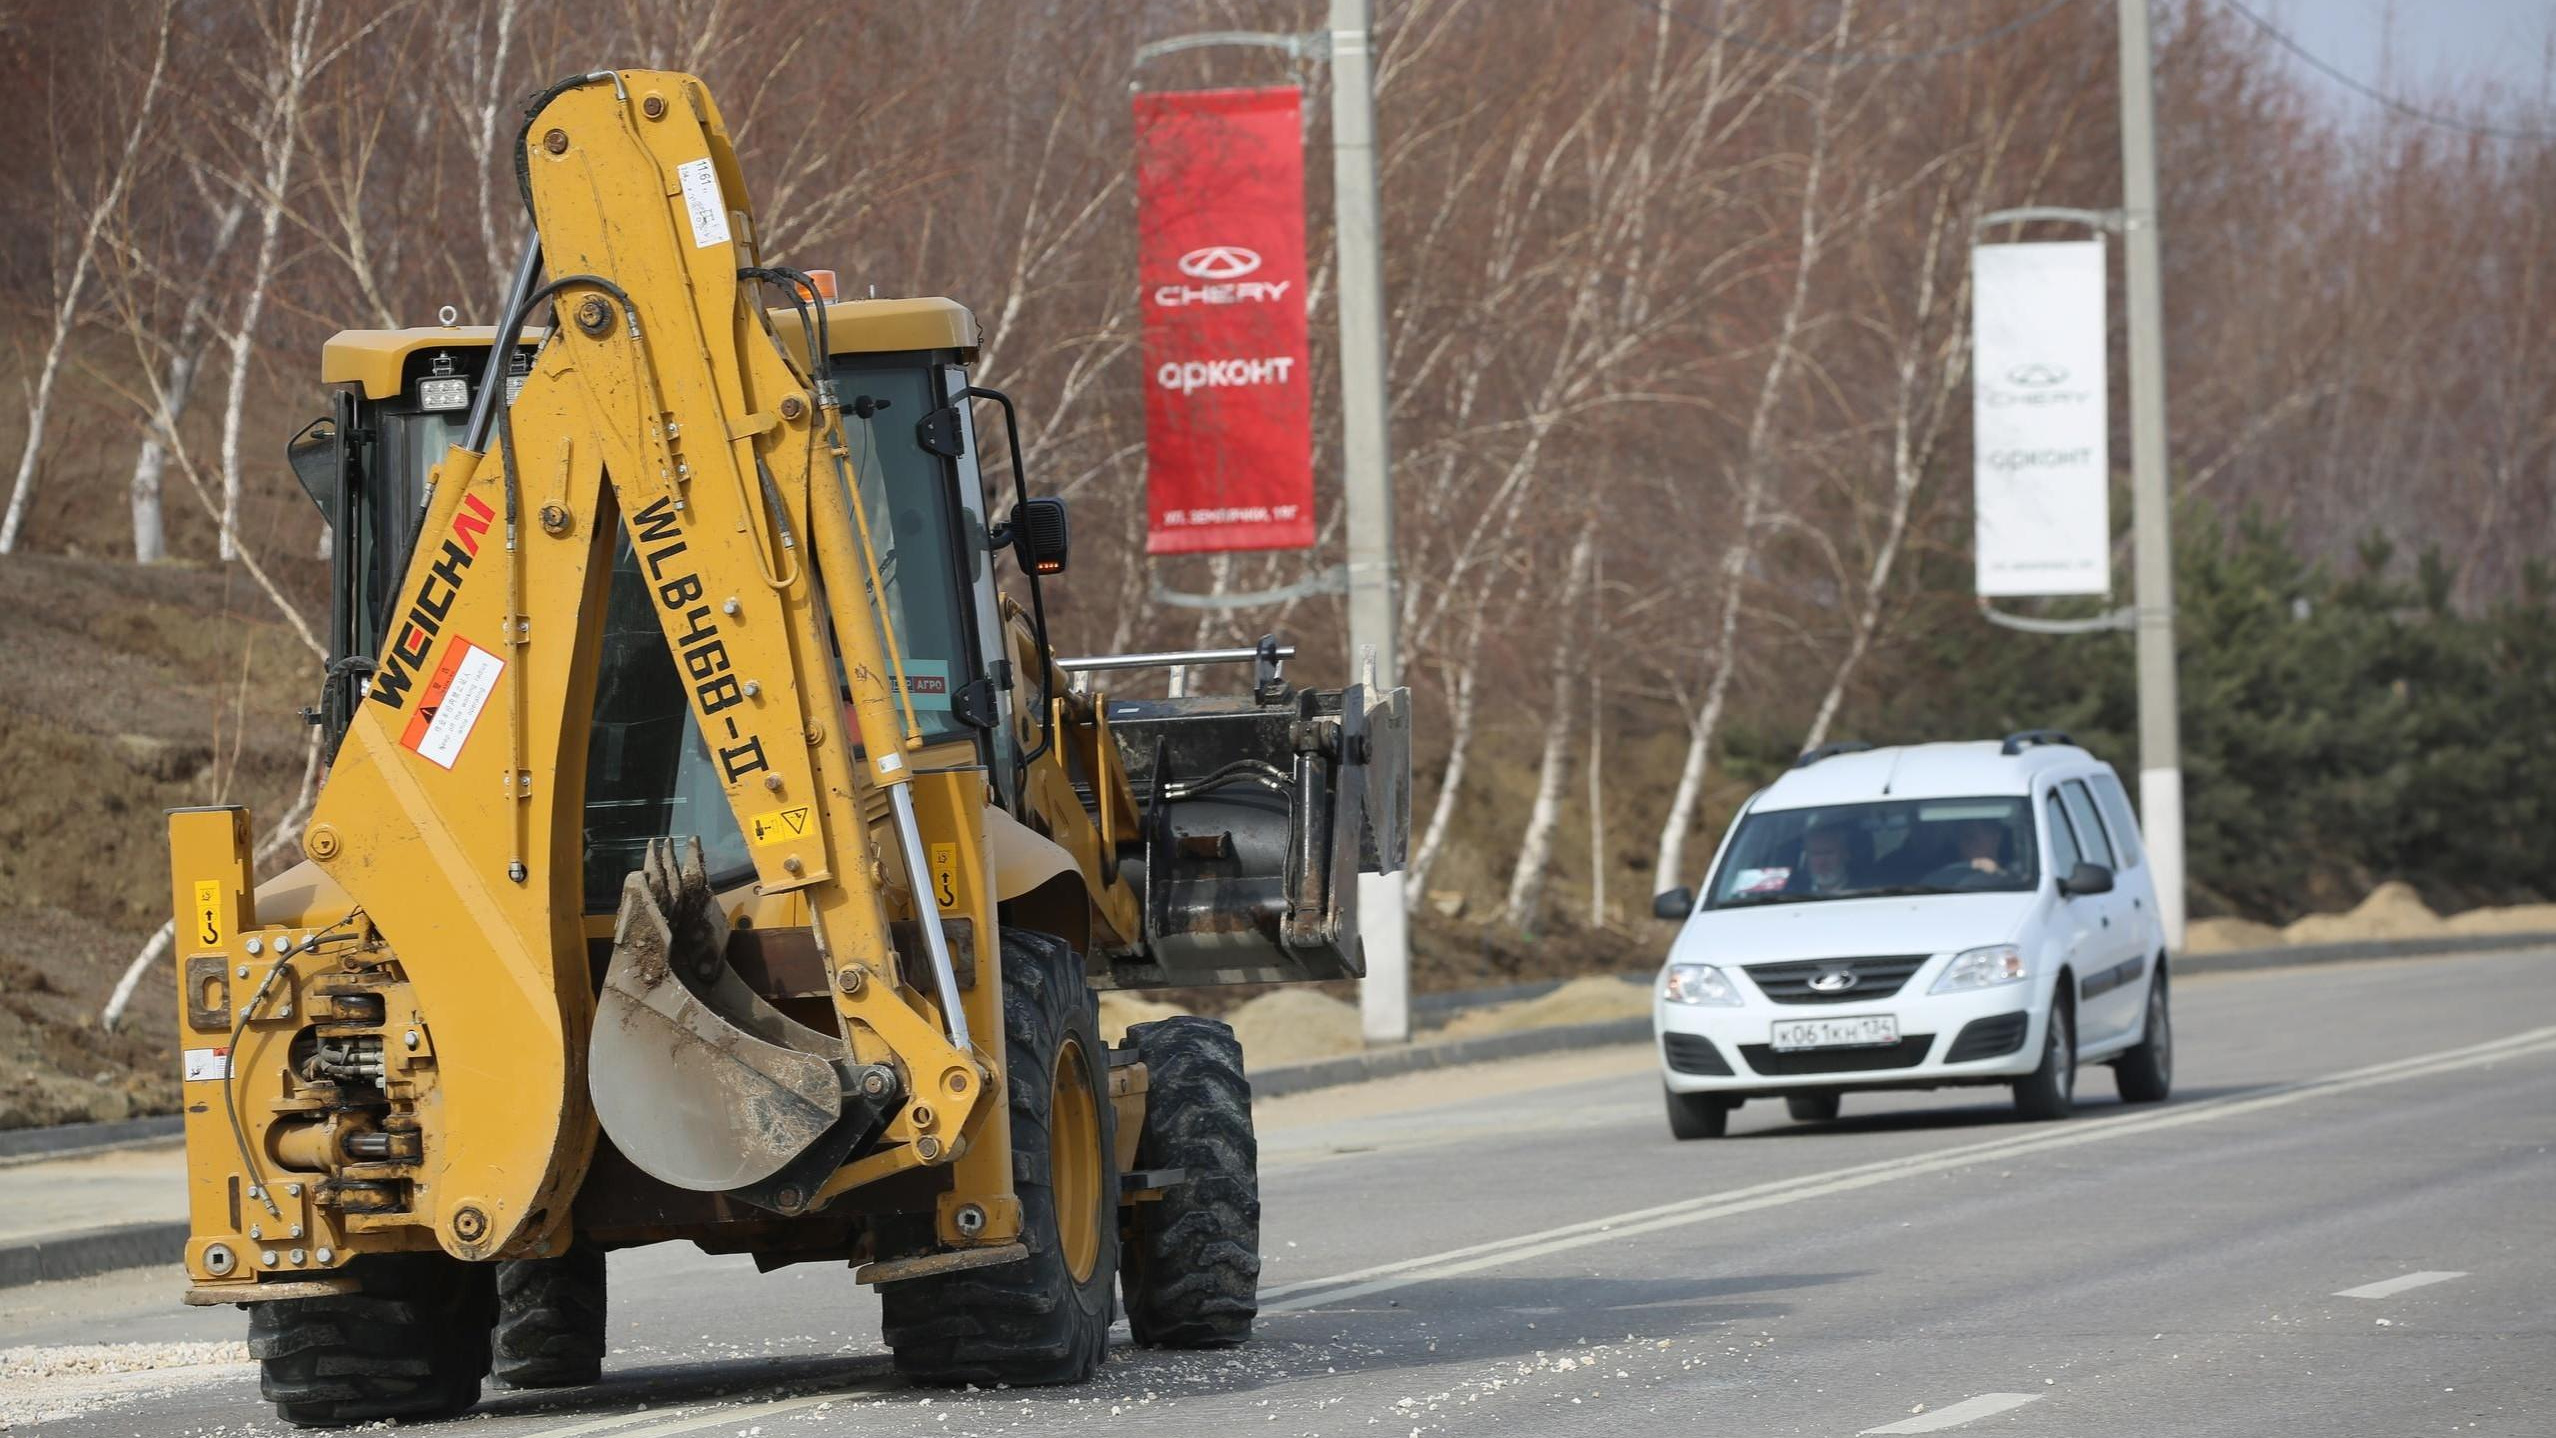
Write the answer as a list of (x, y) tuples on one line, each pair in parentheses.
[(1918, 917)]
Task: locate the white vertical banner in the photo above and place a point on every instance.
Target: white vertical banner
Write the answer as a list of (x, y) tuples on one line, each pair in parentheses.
[(2042, 477)]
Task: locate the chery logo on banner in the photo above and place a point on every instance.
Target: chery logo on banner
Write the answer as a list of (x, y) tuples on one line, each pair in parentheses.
[(1220, 194)]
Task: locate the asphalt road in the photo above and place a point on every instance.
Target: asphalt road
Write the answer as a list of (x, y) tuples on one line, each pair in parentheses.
[(2341, 1225)]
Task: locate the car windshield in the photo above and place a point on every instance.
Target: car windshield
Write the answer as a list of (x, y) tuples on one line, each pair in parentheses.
[(1894, 846)]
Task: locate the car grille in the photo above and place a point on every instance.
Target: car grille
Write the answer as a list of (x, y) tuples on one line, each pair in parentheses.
[(1878, 977), (1988, 1038), (1907, 1053), (1694, 1054)]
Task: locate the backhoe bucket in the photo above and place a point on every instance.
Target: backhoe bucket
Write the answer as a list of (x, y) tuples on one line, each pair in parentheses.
[(696, 1079)]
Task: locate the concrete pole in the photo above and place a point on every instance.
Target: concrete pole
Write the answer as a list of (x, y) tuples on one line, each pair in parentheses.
[(1384, 999), (2160, 757)]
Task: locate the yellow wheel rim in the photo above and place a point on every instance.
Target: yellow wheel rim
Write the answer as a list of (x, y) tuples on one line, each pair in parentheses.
[(1074, 1160)]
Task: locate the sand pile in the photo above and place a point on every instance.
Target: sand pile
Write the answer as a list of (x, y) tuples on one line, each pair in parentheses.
[(2392, 911), (2509, 919), (1290, 1026), (2218, 936), (1595, 999)]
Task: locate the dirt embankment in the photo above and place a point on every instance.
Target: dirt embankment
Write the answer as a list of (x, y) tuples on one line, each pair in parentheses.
[(124, 691)]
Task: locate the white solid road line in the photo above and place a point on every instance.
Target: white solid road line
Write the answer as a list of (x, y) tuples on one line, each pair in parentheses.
[(1361, 1283), (1521, 1247), (1968, 1410), (2387, 1287)]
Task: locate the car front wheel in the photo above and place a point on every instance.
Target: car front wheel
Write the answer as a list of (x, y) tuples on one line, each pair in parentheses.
[(1698, 1115)]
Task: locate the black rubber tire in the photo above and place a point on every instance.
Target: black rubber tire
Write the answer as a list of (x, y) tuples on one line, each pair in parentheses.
[(550, 1320), (412, 1344), (2049, 1092), (1698, 1115), (1030, 1322), (2145, 1074), (1190, 1271), (1813, 1107)]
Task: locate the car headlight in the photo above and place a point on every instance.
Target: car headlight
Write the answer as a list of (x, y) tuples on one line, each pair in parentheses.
[(1698, 984), (1983, 968)]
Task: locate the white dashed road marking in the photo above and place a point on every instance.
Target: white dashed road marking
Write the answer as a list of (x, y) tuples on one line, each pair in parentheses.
[(2389, 1287), (1968, 1410)]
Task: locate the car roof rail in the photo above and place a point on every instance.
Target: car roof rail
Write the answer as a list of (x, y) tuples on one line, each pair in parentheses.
[(2023, 739), (1831, 751)]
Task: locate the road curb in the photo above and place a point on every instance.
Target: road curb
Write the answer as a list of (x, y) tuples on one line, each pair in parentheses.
[(2295, 955), (72, 1140), (90, 1251), (1386, 1063)]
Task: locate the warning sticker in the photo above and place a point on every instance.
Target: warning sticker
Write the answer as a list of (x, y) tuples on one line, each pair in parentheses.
[(449, 709), (780, 826), (204, 1065), (208, 913), (702, 200)]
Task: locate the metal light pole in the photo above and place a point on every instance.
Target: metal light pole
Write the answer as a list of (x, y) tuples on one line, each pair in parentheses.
[(1384, 999), (2152, 564)]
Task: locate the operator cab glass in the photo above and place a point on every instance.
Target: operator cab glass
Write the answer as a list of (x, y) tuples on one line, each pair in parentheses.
[(926, 558), (648, 772)]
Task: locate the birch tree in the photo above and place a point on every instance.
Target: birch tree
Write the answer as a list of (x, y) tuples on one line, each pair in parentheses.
[(282, 85), (1751, 476), (93, 218)]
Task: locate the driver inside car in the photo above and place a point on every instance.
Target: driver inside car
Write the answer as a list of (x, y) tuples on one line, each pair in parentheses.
[(1981, 844)]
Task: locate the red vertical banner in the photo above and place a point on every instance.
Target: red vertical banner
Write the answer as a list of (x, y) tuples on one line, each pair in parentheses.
[(1220, 198)]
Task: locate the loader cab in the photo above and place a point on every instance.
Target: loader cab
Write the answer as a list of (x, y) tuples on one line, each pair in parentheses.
[(401, 401)]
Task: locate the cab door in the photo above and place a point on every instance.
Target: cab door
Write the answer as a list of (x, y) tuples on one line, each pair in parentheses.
[(2081, 924)]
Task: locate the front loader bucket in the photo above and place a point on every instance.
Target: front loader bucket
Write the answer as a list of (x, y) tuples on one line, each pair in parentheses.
[(1260, 812), (697, 1080)]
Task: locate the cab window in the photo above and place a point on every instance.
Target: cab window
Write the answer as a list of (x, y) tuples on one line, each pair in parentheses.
[(925, 555), (648, 773)]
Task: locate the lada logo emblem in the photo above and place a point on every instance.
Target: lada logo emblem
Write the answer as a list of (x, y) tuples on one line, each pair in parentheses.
[(1834, 981)]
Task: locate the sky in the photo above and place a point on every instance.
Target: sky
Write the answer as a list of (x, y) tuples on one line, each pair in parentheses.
[(2427, 50)]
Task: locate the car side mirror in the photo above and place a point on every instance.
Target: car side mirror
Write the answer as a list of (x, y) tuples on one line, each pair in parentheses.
[(1674, 905), (2086, 878), (1039, 534)]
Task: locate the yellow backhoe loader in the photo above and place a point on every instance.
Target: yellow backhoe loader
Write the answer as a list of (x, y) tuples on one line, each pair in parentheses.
[(712, 851)]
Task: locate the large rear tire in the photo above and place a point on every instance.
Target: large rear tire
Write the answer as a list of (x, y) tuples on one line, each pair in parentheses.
[(1045, 1318), (412, 1344), (1191, 1270), (2146, 1073), (550, 1320)]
